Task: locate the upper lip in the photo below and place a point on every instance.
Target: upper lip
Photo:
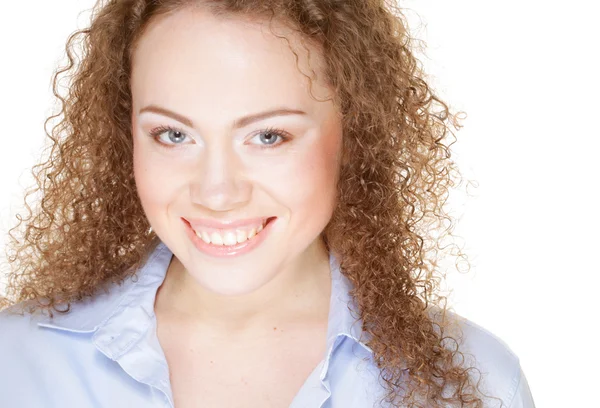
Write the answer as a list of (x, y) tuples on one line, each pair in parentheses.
[(198, 223)]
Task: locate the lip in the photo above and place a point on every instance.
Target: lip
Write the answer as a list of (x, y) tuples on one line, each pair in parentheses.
[(220, 251), (199, 223)]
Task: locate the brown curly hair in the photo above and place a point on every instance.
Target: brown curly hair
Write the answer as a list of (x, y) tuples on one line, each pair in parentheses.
[(89, 227)]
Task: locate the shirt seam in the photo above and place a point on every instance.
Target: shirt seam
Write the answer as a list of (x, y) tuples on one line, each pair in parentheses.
[(134, 284), (516, 381), (132, 342)]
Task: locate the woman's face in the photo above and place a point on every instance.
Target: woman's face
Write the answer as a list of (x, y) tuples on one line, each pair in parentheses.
[(247, 142)]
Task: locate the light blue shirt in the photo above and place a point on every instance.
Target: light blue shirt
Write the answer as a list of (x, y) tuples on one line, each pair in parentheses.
[(105, 354)]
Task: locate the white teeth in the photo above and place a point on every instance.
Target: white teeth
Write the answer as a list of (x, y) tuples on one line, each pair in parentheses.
[(241, 236), (216, 239), (230, 237)]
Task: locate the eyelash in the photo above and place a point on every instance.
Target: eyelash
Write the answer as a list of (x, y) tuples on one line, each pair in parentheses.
[(156, 132)]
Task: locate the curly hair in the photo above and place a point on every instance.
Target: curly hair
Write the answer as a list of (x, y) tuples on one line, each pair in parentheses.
[(89, 228)]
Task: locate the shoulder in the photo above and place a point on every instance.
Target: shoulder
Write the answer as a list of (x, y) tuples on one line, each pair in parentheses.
[(20, 344), (20, 331), (34, 358), (16, 321), (497, 366), (26, 337)]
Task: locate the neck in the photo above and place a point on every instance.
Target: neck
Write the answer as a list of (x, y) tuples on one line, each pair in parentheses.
[(299, 293)]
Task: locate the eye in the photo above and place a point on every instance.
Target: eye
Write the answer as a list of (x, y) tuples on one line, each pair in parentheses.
[(268, 138), (175, 136)]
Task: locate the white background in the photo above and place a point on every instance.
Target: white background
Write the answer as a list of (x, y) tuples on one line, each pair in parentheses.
[(526, 74)]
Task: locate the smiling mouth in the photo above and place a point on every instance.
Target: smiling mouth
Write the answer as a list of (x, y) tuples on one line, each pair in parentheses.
[(232, 236)]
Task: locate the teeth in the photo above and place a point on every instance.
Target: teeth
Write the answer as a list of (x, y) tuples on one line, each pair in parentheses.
[(205, 237), (229, 237), (216, 238), (241, 236)]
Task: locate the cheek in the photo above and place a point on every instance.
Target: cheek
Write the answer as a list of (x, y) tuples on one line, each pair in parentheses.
[(141, 168), (309, 182), (143, 176), (154, 181)]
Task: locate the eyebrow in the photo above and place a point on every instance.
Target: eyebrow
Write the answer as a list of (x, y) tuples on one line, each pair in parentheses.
[(238, 123)]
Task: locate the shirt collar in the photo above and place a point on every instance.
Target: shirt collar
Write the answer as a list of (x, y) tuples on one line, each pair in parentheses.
[(92, 313), (113, 310)]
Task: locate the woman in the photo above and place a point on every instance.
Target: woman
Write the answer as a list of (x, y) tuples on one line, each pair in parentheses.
[(238, 212)]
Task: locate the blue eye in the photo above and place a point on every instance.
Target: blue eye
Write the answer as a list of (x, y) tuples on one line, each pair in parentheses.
[(175, 135), (269, 137)]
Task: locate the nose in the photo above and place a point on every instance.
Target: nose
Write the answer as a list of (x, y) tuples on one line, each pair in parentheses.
[(219, 183)]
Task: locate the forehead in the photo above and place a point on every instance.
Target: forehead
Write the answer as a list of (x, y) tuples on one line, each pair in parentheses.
[(225, 66)]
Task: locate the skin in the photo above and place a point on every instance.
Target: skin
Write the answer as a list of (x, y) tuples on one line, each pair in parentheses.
[(231, 328), (214, 71)]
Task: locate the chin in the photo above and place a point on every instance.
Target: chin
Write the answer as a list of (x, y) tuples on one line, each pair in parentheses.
[(230, 282)]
